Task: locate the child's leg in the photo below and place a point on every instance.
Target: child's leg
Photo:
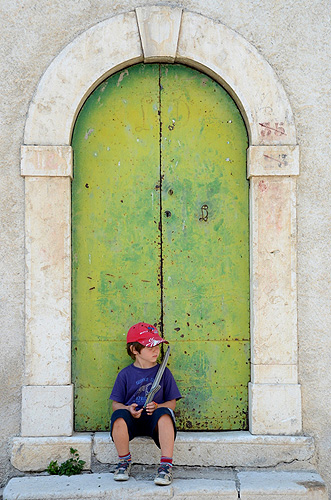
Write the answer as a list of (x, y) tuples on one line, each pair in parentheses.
[(166, 435), (162, 428), (120, 437)]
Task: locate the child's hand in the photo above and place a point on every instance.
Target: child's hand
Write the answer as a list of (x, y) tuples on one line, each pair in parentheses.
[(135, 413), (151, 407)]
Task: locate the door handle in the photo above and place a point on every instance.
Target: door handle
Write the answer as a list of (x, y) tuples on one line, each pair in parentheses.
[(204, 213)]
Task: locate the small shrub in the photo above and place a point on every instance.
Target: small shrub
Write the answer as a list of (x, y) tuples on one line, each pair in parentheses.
[(70, 467), (53, 468)]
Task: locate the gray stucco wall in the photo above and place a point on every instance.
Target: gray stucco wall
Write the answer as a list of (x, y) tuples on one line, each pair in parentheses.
[(294, 37)]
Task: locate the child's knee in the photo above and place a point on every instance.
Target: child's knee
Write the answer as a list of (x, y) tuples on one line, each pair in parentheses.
[(165, 418), (119, 423), (165, 422)]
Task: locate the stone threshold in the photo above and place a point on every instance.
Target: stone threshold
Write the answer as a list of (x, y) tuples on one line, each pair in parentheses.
[(246, 485), (220, 449)]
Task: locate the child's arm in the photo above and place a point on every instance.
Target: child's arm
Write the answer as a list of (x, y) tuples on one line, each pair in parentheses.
[(151, 407), (132, 408)]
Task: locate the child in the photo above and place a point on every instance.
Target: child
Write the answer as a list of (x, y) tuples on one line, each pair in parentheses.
[(129, 395)]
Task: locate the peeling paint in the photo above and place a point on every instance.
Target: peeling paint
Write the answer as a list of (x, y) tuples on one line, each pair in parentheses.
[(121, 77)]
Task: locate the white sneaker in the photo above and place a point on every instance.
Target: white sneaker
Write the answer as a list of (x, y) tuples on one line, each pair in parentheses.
[(122, 471), (164, 475)]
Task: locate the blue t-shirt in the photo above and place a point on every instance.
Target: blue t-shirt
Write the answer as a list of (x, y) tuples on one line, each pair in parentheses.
[(133, 384)]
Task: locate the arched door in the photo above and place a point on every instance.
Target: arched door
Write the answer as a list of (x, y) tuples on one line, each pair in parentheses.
[(160, 234)]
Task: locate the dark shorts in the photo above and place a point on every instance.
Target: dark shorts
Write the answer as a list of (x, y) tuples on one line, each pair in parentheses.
[(143, 426)]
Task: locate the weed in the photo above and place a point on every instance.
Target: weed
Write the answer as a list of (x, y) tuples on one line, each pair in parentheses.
[(70, 467)]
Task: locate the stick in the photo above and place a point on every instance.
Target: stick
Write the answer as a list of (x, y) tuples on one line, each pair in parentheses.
[(156, 384)]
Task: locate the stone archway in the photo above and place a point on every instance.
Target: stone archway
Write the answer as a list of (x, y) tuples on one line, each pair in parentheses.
[(149, 34)]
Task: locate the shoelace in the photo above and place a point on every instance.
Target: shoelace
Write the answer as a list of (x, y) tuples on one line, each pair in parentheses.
[(122, 465), (164, 469)]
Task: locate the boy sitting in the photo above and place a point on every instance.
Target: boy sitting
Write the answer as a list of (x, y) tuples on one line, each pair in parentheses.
[(129, 394)]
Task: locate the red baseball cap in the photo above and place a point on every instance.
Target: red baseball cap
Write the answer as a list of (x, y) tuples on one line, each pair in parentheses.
[(145, 334)]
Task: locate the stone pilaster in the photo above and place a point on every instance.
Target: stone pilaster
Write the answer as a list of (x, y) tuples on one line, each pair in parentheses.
[(274, 394), (47, 404)]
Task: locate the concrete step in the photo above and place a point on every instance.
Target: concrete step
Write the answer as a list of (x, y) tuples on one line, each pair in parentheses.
[(221, 449), (189, 483)]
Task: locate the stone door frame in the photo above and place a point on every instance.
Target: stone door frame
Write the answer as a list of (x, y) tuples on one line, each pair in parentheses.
[(160, 34)]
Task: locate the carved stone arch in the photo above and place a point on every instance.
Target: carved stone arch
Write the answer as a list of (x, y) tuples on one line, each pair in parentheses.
[(168, 34)]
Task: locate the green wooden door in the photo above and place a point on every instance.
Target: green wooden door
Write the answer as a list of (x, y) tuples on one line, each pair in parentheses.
[(160, 234)]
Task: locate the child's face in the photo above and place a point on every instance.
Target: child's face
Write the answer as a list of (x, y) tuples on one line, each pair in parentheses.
[(147, 355)]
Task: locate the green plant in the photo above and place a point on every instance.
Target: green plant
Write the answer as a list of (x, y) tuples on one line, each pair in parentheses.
[(70, 467)]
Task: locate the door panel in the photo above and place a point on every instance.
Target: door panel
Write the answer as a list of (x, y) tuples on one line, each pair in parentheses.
[(160, 234), (205, 248), (211, 374), (116, 243)]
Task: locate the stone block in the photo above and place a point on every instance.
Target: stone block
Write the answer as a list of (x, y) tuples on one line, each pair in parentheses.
[(102, 486), (231, 60), (83, 487), (239, 449), (275, 409), (47, 410), (159, 31), (272, 160), (46, 161), (48, 282), (33, 454), (222, 449), (273, 272), (280, 485), (274, 374)]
